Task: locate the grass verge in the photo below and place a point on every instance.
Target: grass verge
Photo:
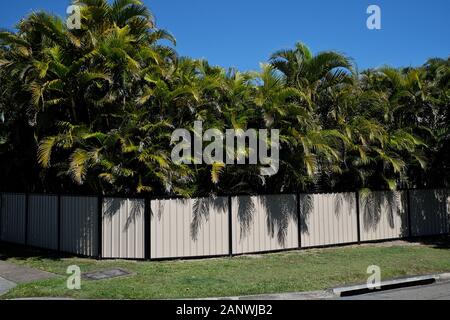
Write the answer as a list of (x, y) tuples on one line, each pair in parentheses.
[(272, 273)]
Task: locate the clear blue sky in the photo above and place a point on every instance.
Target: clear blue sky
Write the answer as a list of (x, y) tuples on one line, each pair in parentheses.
[(242, 33)]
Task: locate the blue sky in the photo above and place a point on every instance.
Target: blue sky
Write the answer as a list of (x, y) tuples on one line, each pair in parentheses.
[(243, 33)]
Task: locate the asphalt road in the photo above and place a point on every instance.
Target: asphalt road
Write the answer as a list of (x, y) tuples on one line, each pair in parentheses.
[(437, 291)]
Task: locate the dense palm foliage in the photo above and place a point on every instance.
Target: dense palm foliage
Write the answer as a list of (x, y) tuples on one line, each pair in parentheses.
[(94, 109)]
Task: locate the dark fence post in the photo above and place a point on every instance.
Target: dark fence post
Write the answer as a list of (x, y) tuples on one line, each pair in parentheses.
[(230, 227), (299, 221), (358, 216), (147, 229), (408, 212), (1, 214), (59, 223), (27, 198), (99, 227)]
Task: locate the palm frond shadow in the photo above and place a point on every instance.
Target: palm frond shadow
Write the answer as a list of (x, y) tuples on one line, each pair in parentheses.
[(245, 214), (375, 204), (136, 211), (341, 202), (113, 206), (202, 208), (280, 213), (281, 210), (343, 198), (306, 208), (159, 209)]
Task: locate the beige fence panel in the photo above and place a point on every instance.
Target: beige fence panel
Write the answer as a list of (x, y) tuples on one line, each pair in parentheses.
[(189, 227), (12, 217), (43, 221), (79, 225), (200, 227), (384, 215), (429, 212), (123, 228), (328, 219), (264, 223)]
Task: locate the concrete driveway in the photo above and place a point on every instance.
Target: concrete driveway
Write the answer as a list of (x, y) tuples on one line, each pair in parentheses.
[(5, 285), (22, 274), (11, 274)]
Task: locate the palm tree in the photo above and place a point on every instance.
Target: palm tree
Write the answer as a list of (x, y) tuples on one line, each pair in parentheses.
[(379, 149), (84, 89), (100, 15), (95, 109), (315, 75)]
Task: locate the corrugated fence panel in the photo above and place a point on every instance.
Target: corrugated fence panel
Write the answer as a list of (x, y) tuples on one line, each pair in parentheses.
[(200, 227), (79, 225), (328, 219), (12, 217), (43, 221), (189, 227), (429, 212), (383, 215), (264, 223), (123, 228)]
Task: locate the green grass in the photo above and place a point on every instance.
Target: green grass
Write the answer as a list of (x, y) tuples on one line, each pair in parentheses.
[(271, 273)]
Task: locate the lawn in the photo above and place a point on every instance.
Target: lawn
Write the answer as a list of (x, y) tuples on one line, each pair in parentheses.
[(282, 272)]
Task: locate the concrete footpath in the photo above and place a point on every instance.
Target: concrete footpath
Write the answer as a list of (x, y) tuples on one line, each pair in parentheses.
[(13, 274)]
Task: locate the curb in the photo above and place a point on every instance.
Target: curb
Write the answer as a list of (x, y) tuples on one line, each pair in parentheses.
[(343, 291), (309, 295), (443, 277), (390, 284)]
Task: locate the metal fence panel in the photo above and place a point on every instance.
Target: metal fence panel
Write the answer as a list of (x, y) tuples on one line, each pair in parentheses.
[(264, 223), (189, 227), (429, 212), (123, 228), (12, 217), (383, 215), (43, 221), (200, 227), (79, 222), (327, 219)]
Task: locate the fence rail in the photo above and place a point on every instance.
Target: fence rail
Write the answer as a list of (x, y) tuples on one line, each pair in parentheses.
[(143, 228)]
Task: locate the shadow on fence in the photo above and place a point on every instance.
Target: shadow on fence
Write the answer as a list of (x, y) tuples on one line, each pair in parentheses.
[(202, 207), (217, 226)]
